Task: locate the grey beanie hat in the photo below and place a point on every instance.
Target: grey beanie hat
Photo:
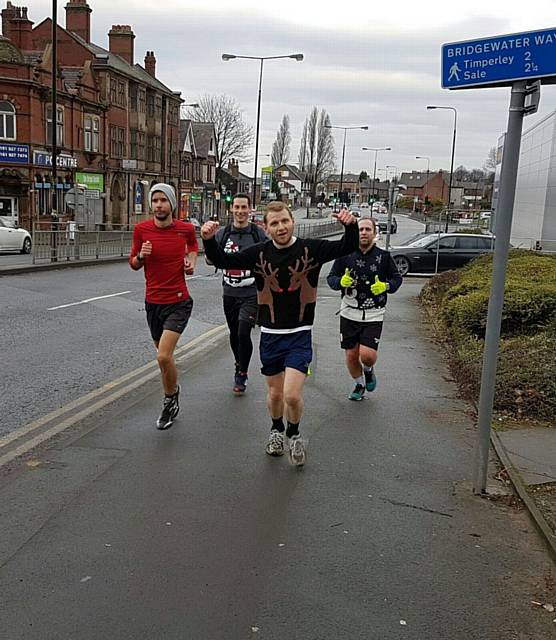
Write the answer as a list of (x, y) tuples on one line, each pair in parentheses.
[(168, 191)]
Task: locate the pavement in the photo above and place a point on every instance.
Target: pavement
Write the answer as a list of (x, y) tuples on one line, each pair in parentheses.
[(113, 529)]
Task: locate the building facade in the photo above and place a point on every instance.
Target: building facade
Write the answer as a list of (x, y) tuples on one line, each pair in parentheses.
[(117, 125), (534, 214)]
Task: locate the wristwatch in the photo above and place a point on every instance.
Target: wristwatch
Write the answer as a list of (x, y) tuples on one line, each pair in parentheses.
[(139, 257)]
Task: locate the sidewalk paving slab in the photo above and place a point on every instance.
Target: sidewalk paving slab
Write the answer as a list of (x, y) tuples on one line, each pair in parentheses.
[(195, 533)]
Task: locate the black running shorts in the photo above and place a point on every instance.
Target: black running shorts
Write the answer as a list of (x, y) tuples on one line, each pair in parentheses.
[(238, 309), (353, 333), (171, 317)]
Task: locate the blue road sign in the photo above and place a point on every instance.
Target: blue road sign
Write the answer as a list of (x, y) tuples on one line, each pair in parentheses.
[(500, 60)]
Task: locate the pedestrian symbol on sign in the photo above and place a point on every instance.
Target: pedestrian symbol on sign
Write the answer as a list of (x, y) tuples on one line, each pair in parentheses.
[(454, 72)]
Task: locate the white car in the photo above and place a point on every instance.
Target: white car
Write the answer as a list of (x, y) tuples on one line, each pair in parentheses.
[(12, 238)]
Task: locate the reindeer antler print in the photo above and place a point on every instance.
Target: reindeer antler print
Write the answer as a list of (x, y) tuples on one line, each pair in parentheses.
[(298, 280), (270, 284)]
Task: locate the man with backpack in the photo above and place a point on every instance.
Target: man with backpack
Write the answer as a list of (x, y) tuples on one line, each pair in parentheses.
[(239, 289)]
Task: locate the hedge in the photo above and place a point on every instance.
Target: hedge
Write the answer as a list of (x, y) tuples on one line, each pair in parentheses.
[(526, 373)]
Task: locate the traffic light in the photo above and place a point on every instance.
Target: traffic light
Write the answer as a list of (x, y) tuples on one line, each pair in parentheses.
[(228, 197)]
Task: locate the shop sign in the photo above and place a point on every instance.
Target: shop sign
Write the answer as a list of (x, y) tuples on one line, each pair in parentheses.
[(90, 180), (14, 153), (63, 161)]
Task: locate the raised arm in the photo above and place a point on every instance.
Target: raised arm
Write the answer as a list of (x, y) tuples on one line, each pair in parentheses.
[(332, 249)]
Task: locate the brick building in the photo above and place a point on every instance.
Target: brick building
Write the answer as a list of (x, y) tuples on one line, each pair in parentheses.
[(432, 185), (117, 125)]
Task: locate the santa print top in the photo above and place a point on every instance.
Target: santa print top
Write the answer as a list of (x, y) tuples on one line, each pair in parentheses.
[(286, 278), (164, 274)]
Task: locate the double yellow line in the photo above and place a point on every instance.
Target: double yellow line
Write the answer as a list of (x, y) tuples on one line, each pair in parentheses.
[(27, 437)]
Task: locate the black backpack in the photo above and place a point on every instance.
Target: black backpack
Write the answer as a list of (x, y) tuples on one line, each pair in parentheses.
[(229, 229)]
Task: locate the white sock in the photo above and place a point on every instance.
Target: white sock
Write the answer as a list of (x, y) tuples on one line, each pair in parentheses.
[(367, 369), (360, 380)]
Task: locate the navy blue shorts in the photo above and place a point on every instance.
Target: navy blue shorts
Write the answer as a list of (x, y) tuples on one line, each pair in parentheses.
[(281, 350)]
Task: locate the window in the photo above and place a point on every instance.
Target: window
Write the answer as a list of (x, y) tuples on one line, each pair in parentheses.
[(485, 244), (153, 149), (445, 243), (142, 99), (92, 133), (158, 107), (117, 142), (137, 145), (113, 91), (150, 104), (59, 125), (7, 121), (133, 102), (467, 244), (121, 93)]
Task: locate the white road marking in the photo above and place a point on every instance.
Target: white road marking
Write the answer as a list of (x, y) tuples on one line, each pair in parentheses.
[(73, 304)]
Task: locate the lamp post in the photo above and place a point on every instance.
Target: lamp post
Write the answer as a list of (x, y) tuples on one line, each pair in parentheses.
[(452, 161), (376, 150), (428, 168), (230, 56), (345, 129), (54, 123)]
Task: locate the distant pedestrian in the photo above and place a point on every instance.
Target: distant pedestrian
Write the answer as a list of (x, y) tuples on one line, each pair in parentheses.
[(365, 278), (167, 249), (239, 288), (286, 271)]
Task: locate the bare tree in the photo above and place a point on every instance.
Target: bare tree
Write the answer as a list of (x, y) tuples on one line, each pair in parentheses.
[(281, 146), (316, 153), (490, 162), (233, 136)]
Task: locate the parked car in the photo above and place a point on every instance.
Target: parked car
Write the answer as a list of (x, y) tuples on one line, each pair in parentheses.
[(486, 215), (12, 238), (454, 250), (382, 221)]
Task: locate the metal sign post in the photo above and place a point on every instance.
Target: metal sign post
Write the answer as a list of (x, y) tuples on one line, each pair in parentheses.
[(503, 229), (522, 61)]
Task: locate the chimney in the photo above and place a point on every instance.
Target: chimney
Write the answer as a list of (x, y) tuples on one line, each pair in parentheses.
[(121, 39), (19, 26), (78, 18), (150, 64), (233, 168)]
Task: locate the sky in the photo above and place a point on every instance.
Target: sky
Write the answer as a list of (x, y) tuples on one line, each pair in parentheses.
[(374, 64)]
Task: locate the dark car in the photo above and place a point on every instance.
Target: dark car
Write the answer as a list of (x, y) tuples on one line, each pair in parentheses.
[(454, 250), (382, 221)]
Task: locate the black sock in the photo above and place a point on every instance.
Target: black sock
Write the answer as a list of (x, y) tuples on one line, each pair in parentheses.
[(293, 429), (278, 424)]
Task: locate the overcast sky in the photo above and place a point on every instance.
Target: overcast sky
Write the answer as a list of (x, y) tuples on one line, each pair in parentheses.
[(365, 63)]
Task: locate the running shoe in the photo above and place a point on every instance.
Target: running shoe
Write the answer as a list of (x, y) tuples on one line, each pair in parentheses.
[(370, 380), (357, 393), (275, 444), (240, 383), (170, 410), (296, 452)]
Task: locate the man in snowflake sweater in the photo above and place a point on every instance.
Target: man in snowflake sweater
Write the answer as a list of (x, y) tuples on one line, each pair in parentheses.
[(286, 271), (365, 278)]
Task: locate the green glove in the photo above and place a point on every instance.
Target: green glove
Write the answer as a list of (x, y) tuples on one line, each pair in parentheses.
[(346, 281), (378, 287)]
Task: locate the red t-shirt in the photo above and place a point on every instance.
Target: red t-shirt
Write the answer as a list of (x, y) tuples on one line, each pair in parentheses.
[(164, 275)]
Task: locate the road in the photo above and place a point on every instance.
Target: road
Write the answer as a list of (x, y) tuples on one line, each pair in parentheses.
[(70, 331)]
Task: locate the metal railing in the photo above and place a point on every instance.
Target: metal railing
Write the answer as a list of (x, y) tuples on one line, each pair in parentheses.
[(61, 243)]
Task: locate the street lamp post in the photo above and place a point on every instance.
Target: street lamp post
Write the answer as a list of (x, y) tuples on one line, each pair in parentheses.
[(345, 129), (54, 123), (452, 161), (376, 150), (428, 168), (230, 56)]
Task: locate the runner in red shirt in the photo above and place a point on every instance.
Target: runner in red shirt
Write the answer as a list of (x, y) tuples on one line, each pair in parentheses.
[(167, 249)]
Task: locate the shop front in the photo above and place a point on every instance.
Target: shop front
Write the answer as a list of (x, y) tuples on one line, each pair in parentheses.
[(43, 187)]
